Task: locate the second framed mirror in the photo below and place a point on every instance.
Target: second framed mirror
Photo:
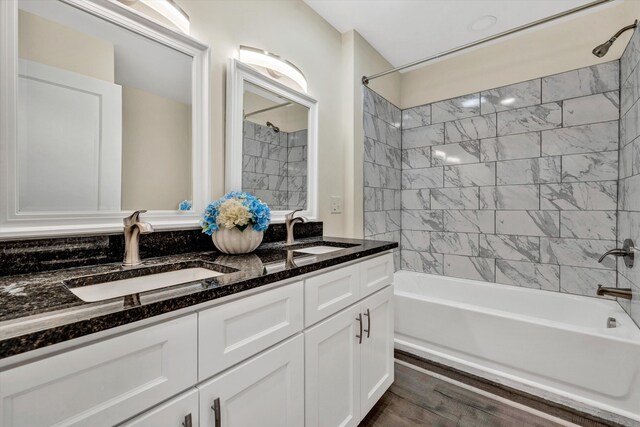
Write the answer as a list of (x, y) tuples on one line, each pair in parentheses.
[(271, 142)]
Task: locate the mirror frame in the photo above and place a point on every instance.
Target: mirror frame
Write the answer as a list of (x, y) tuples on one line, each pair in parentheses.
[(15, 225), (238, 74)]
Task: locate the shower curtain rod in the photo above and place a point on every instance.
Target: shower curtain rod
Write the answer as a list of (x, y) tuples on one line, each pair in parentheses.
[(367, 79), (264, 110)]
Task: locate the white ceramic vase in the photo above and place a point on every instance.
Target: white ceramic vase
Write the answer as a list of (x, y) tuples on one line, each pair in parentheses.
[(233, 241)]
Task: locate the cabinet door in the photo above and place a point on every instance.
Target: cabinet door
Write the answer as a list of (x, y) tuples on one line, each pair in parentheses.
[(266, 390), (104, 383), (332, 371), (376, 356), (234, 331), (375, 274), (181, 411)]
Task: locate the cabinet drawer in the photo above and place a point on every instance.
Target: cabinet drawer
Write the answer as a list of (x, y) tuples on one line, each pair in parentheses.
[(375, 274), (237, 330), (330, 292), (105, 383), (178, 412)]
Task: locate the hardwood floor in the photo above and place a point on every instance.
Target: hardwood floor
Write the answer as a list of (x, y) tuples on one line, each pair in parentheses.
[(418, 399)]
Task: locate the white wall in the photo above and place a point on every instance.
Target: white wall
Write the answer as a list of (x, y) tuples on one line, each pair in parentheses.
[(360, 59), (551, 49), (156, 151), (45, 41)]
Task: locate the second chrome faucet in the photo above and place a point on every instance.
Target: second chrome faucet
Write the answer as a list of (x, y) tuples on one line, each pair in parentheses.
[(133, 227), (289, 222), (626, 252)]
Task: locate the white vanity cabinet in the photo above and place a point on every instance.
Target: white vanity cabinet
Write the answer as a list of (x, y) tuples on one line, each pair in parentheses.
[(104, 383), (330, 292), (332, 371), (266, 390), (349, 362), (232, 332), (317, 352), (181, 411), (376, 353)]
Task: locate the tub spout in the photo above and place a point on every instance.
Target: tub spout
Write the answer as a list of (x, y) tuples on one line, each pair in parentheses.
[(614, 292)]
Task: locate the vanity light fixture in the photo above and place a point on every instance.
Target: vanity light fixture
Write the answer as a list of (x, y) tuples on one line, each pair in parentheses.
[(170, 10), (275, 66)]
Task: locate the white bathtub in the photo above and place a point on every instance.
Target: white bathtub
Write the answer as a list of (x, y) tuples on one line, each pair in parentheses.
[(547, 343)]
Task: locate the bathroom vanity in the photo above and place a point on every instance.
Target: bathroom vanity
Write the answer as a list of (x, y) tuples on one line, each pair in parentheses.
[(282, 337)]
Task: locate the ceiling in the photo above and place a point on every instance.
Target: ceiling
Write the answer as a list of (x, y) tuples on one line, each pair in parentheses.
[(408, 30)]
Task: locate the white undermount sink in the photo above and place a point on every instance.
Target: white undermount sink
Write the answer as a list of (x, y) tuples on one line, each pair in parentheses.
[(103, 287), (319, 250)]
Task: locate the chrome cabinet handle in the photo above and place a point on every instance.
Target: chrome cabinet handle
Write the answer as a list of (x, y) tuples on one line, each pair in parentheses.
[(187, 421), (359, 319), (216, 412), (368, 330)]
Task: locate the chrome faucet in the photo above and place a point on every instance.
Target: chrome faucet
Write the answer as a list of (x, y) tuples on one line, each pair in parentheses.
[(627, 253), (290, 263), (289, 222), (133, 227), (625, 293)]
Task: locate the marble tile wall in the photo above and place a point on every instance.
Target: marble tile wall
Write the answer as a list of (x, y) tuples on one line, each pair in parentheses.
[(297, 170), (274, 166), (515, 185), (629, 171), (382, 169)]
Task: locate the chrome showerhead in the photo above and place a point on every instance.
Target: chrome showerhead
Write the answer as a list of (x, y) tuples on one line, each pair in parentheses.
[(275, 128), (601, 50)]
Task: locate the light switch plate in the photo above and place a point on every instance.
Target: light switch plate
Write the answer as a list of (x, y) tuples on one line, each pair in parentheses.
[(336, 204)]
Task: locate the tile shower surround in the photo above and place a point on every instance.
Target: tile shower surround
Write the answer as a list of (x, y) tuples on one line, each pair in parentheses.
[(382, 169), (629, 171), (514, 185), (274, 166)]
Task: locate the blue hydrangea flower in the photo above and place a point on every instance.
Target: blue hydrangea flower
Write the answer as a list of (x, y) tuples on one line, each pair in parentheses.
[(260, 212), (185, 205)]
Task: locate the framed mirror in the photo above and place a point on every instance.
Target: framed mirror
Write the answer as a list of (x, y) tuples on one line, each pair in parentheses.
[(271, 148), (104, 111)]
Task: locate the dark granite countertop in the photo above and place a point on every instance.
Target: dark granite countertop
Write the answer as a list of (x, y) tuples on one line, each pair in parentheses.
[(38, 310)]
